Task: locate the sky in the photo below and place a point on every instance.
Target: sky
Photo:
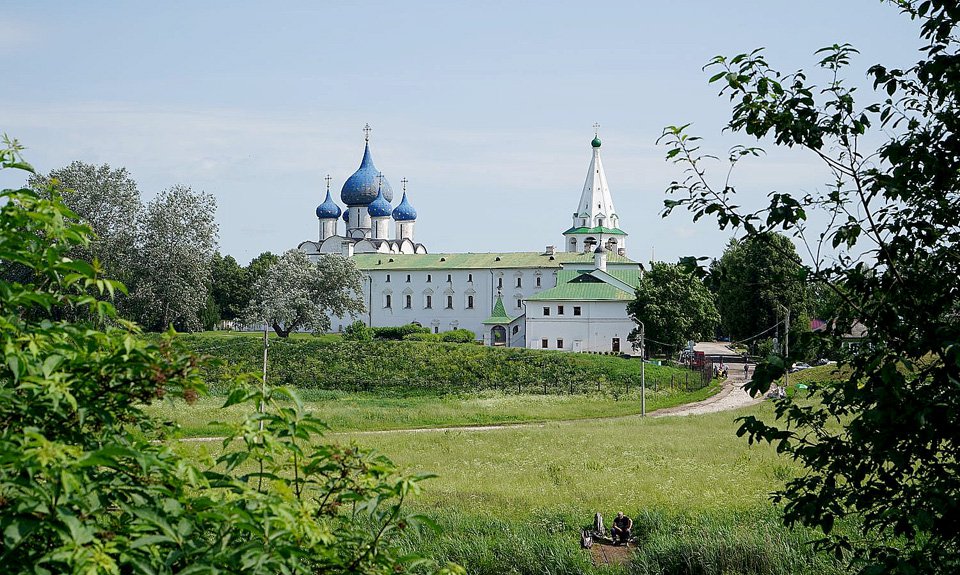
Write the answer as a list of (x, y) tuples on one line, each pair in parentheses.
[(487, 108)]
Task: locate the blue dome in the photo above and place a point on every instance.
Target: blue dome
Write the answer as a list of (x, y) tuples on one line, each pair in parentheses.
[(379, 207), (361, 188), (404, 212), (346, 216), (328, 209)]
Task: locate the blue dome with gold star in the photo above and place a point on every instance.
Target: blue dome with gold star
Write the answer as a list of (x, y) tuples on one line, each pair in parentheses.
[(328, 209), (404, 212), (379, 207), (362, 187)]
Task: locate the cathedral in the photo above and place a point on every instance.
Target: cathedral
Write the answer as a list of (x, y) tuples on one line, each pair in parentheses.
[(571, 299)]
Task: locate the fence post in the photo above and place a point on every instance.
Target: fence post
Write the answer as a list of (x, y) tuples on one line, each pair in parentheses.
[(544, 387)]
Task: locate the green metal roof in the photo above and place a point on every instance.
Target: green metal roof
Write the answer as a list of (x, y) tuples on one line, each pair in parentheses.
[(476, 261), (583, 291), (595, 230), (499, 315)]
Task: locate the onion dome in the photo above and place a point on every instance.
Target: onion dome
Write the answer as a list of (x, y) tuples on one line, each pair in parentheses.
[(328, 209), (362, 187), (596, 142), (346, 216), (404, 212), (379, 207)]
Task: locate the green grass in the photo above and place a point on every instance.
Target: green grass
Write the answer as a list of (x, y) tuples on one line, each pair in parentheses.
[(513, 500), (348, 411)]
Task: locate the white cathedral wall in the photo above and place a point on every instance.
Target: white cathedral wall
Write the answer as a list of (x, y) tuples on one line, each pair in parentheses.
[(482, 284), (594, 329)]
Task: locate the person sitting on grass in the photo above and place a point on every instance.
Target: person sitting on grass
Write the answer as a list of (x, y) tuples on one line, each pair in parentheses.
[(620, 532)]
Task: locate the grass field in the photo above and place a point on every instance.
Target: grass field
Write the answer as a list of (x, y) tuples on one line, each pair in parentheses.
[(513, 500), (349, 411)]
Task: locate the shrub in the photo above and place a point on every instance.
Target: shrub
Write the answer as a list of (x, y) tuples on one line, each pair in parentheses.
[(357, 331), (398, 332), (426, 336), (458, 336)]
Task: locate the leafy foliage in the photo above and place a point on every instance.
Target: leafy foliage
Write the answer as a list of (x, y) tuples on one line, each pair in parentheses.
[(889, 252), (674, 306), (351, 365), (296, 293), (87, 484), (757, 280)]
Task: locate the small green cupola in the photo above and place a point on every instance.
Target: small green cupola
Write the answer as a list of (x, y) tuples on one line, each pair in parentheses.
[(596, 142)]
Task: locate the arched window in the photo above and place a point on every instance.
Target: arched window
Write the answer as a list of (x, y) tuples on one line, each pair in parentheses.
[(407, 301), (387, 300), (469, 302)]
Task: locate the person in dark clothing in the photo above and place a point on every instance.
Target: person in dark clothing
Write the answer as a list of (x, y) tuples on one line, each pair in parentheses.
[(620, 532)]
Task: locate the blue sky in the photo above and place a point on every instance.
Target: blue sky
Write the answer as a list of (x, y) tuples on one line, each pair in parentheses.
[(485, 107)]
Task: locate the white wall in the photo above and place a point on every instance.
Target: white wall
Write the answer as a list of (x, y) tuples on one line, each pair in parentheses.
[(593, 330), (483, 287)]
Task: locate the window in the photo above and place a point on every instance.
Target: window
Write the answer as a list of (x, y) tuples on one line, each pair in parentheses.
[(519, 302), (408, 301), (429, 278), (519, 282), (546, 312), (544, 343), (576, 310), (499, 282), (469, 302), (388, 301), (449, 278), (388, 278), (559, 344), (538, 281), (436, 329), (408, 278), (429, 302), (559, 310), (516, 329), (469, 277), (449, 302)]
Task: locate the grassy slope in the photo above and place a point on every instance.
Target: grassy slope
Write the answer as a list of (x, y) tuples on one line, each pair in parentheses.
[(327, 362)]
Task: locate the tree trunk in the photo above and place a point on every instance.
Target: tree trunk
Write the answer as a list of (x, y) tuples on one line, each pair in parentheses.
[(283, 333)]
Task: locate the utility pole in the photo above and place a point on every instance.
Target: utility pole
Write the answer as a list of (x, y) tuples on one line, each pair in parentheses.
[(786, 350), (643, 380), (263, 385)]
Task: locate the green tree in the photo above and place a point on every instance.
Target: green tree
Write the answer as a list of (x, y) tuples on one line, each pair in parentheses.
[(756, 280), (230, 286), (178, 238), (674, 306), (880, 446), (87, 482), (296, 293)]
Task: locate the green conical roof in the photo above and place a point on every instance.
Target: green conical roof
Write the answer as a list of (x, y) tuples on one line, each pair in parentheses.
[(499, 314)]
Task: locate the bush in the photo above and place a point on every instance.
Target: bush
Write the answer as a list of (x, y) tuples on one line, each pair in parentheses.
[(426, 336), (357, 331), (398, 332), (458, 336)]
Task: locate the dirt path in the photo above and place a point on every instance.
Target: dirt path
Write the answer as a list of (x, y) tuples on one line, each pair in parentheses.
[(731, 396)]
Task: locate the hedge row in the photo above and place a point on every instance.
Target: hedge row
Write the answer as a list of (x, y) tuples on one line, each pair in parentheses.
[(445, 367)]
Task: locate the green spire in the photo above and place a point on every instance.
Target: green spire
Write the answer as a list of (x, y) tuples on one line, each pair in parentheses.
[(499, 314)]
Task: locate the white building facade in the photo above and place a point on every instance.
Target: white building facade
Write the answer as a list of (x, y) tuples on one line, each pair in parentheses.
[(572, 299)]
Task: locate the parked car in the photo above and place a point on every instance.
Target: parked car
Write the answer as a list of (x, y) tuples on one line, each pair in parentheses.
[(798, 366)]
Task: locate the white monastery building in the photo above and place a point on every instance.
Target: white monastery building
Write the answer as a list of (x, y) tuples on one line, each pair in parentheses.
[(573, 300)]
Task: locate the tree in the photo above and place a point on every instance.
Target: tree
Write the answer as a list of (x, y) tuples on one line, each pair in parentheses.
[(757, 279), (88, 483), (296, 293), (880, 446), (230, 286), (674, 306), (178, 238), (108, 201)]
